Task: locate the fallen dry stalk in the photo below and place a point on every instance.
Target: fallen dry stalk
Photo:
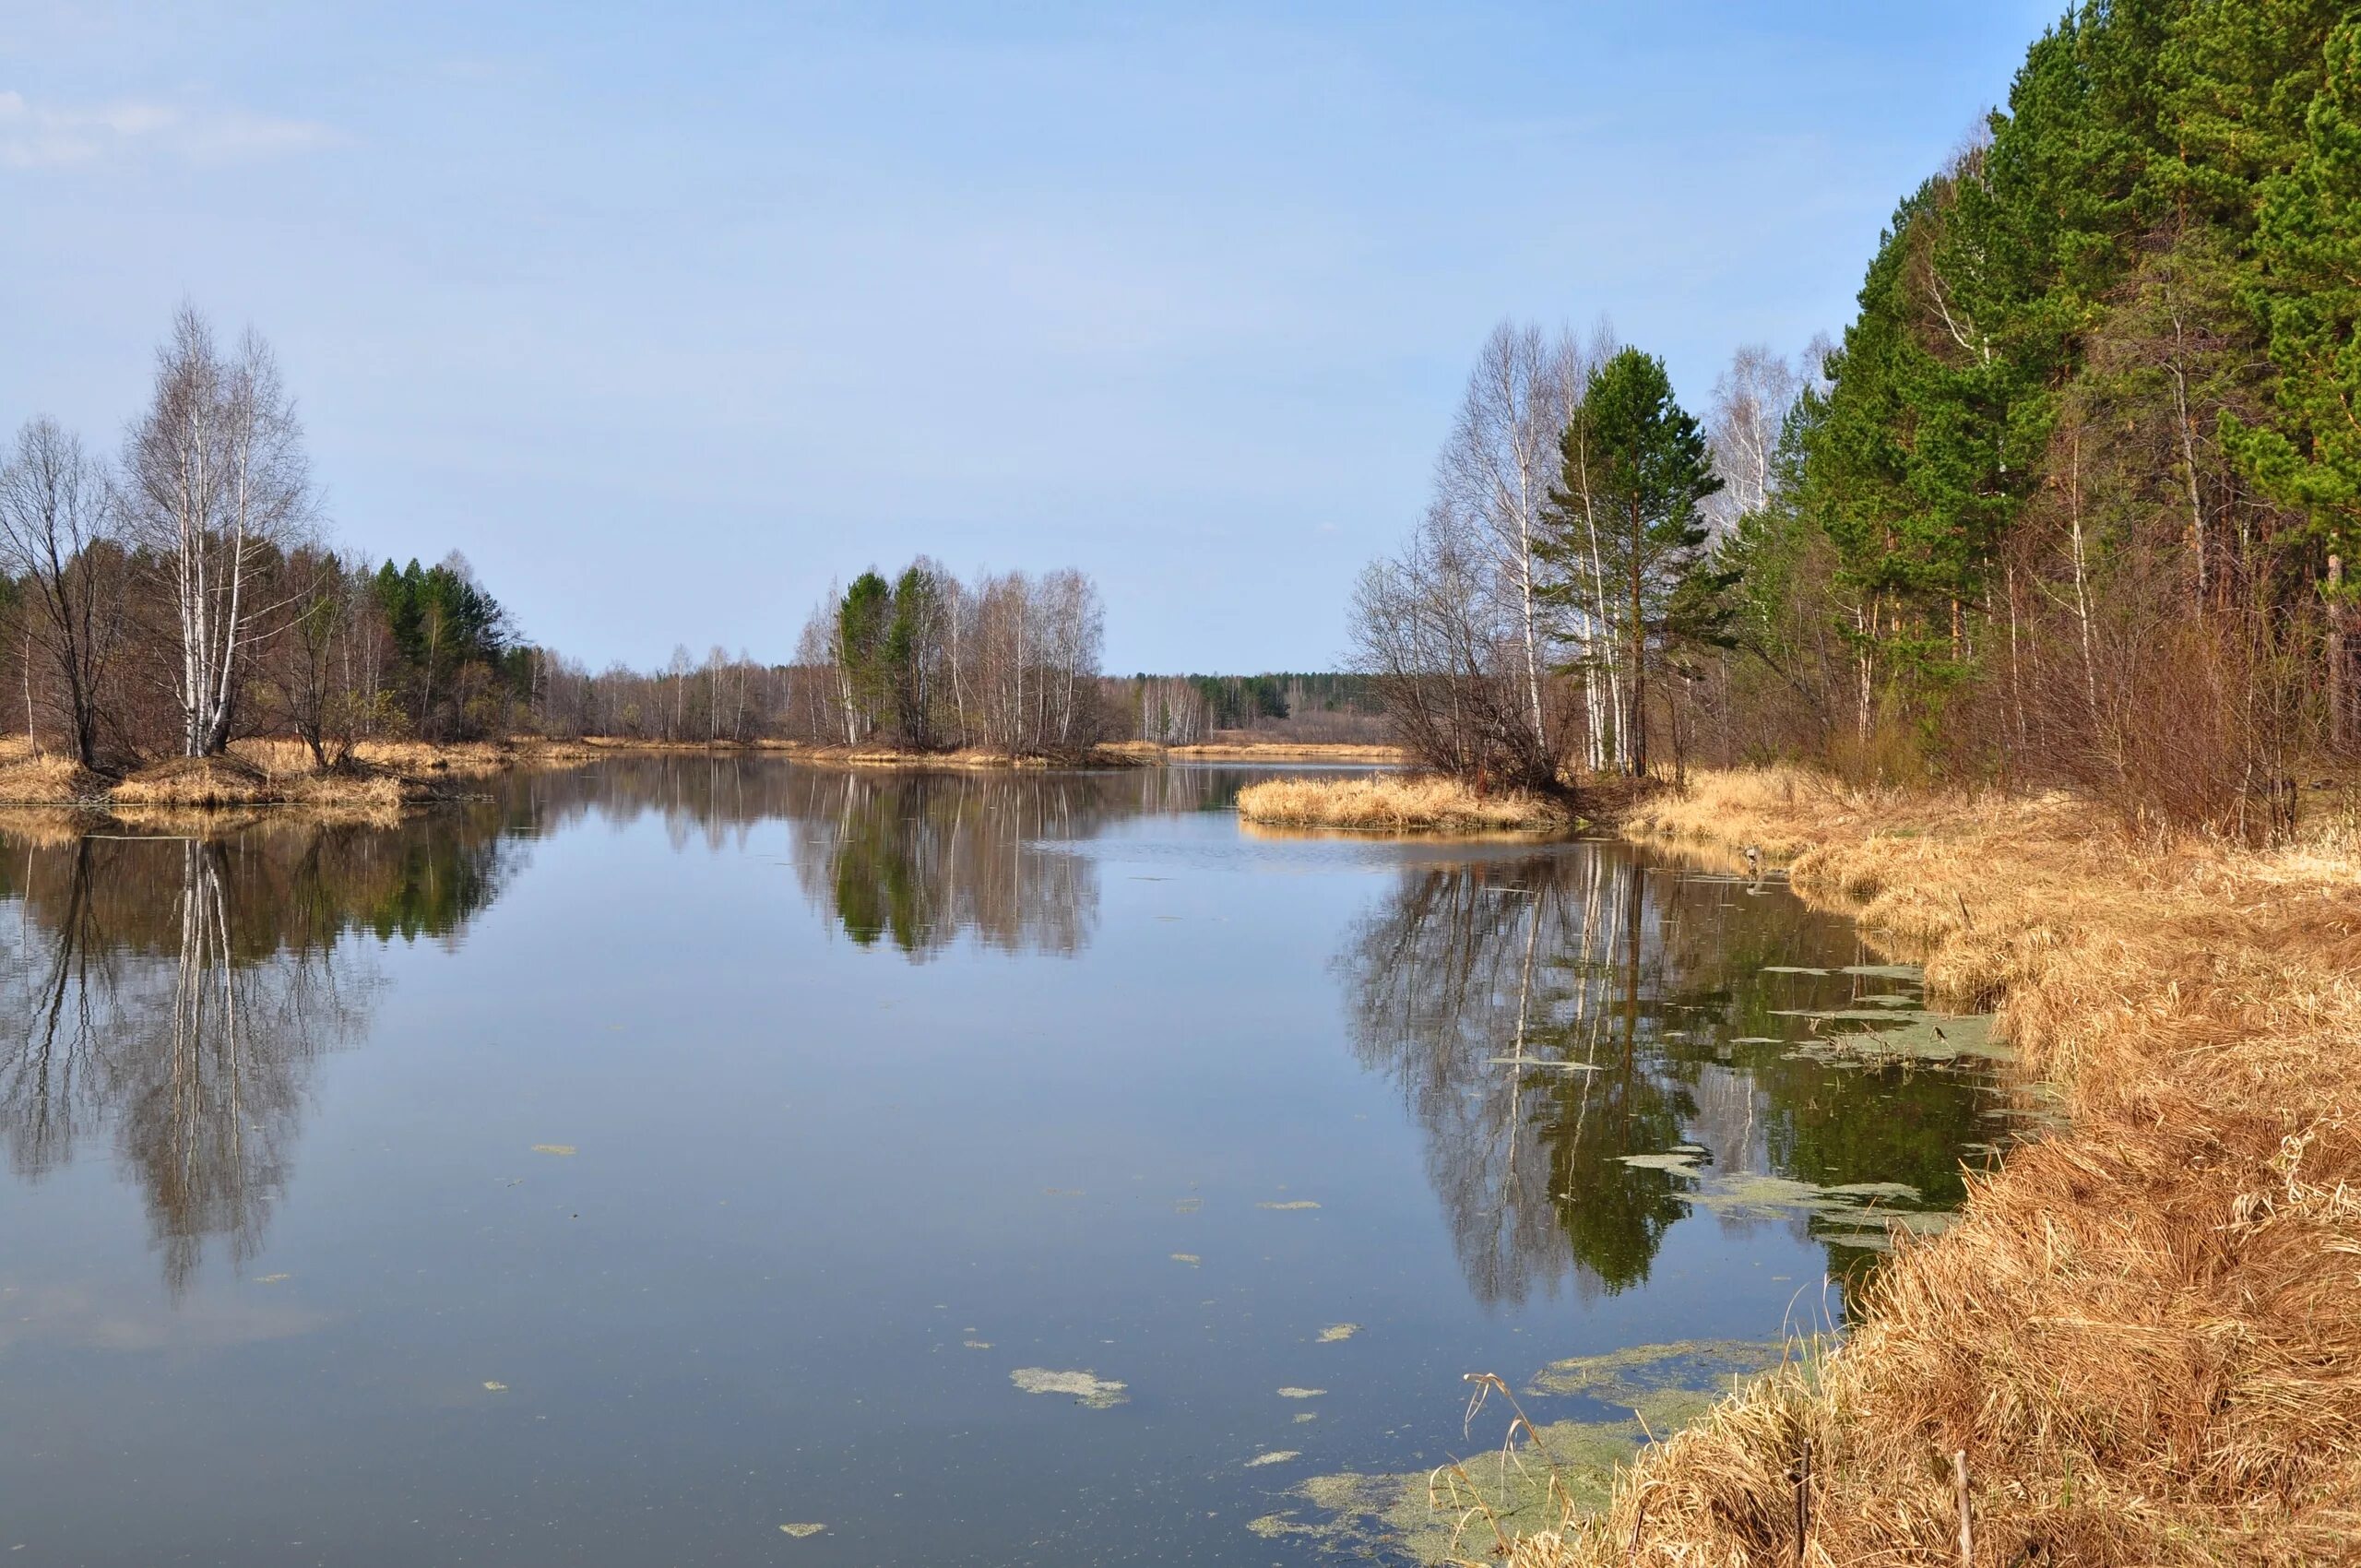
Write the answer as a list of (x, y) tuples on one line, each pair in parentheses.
[(2144, 1333)]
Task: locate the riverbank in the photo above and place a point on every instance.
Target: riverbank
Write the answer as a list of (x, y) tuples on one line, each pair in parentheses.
[(380, 776), (2140, 1337), (392, 775), (1398, 804), (1340, 752)]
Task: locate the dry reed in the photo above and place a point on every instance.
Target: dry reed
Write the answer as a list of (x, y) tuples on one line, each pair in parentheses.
[(2144, 1333), (1393, 803)]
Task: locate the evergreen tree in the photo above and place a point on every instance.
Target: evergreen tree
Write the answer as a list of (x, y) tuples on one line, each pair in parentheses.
[(1645, 462)]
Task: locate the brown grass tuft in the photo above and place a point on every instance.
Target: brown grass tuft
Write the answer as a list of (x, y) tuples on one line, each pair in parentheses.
[(1395, 803), (196, 781), (2145, 1331), (46, 780)]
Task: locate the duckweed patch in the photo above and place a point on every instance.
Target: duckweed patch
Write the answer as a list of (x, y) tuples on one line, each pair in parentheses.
[(1337, 1333), (1897, 1030), (1289, 1204), (1085, 1387), (801, 1531), (1294, 1393), (1846, 1214), (1275, 1457), (553, 1148), (1449, 1514), (1640, 1375)]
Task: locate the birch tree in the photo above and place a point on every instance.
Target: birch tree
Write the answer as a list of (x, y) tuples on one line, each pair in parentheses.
[(1496, 469), (219, 489)]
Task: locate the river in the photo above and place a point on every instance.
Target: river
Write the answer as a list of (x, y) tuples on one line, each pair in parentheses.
[(650, 1161)]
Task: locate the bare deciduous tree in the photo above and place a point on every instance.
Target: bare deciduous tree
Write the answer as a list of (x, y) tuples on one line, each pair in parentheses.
[(58, 537)]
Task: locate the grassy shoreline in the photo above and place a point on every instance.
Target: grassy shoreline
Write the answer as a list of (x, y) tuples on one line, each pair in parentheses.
[(381, 778), (2141, 1333), (1395, 803), (392, 775)]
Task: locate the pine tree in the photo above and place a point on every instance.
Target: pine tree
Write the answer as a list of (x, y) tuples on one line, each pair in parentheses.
[(1647, 469)]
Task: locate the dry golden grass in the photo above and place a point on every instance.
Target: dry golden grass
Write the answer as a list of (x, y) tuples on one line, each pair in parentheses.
[(45, 780), (1263, 751), (2146, 1331), (1393, 803)]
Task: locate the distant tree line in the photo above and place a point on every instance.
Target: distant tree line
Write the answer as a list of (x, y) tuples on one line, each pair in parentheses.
[(2075, 500), (1298, 706)]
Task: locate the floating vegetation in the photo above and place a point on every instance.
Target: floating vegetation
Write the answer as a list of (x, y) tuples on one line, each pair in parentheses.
[(1640, 1374), (1191, 1259), (1337, 1333), (1897, 1031), (552, 1148), (799, 1531), (1275, 1457), (1289, 1204), (1187, 1205), (1911, 972), (495, 1387), (1307, 1415), (274, 1278), (1086, 1387), (1061, 1192), (1682, 1158), (1794, 969), (977, 1344), (1292, 1393), (1439, 1517), (1845, 1214)]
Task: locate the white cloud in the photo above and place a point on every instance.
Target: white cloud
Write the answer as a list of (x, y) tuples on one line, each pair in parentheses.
[(39, 136)]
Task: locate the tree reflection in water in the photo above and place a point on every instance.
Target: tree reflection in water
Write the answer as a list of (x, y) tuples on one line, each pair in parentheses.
[(1548, 1016), (177, 989), (920, 859)]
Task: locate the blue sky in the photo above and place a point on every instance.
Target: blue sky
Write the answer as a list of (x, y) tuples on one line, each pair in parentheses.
[(666, 316)]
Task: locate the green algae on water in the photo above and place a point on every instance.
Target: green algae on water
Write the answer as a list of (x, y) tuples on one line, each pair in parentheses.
[(1639, 1376), (1440, 1516), (1086, 1387)]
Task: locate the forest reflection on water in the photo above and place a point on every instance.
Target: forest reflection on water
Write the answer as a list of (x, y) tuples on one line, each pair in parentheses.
[(1561, 1023), (1550, 1014), (172, 988), (175, 989), (598, 1069)]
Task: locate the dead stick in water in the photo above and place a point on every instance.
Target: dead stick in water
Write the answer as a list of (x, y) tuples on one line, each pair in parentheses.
[(1958, 1494)]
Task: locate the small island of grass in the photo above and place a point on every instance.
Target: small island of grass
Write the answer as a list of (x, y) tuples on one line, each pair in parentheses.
[(1395, 803)]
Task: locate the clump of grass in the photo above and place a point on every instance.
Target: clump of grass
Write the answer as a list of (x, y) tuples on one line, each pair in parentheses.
[(48, 779), (1395, 803), (2140, 1331), (196, 782)]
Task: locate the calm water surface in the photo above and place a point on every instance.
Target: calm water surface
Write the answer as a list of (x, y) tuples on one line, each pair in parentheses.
[(615, 1170)]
